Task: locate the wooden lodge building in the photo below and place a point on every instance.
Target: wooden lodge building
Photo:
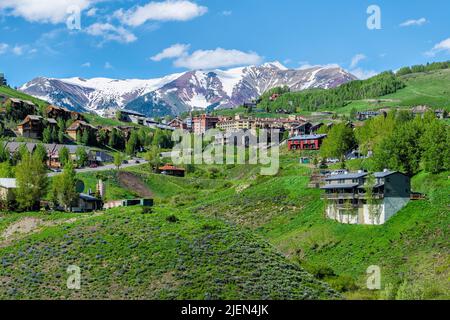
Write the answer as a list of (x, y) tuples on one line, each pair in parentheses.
[(171, 170), (55, 112), (78, 127)]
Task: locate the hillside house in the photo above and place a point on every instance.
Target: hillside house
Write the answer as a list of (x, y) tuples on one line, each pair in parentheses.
[(55, 112), (316, 127), (132, 116), (366, 115), (171, 170), (177, 123), (53, 153), (7, 187), (13, 147), (301, 129), (19, 109), (78, 128), (31, 127), (350, 198), (87, 203), (100, 157), (306, 142)]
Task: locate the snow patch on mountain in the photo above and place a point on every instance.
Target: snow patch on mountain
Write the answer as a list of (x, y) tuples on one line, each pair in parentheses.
[(181, 92)]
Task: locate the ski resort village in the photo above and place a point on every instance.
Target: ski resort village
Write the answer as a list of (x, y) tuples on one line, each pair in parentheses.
[(362, 180)]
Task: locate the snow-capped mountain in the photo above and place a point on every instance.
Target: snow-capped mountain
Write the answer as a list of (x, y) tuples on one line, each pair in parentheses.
[(181, 92)]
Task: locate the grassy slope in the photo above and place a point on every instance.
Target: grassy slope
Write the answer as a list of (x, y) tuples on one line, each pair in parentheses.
[(412, 246), (430, 88), (127, 255), (9, 92)]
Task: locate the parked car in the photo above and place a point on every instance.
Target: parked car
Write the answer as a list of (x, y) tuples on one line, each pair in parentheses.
[(56, 170), (333, 160), (125, 162), (93, 165), (137, 162)]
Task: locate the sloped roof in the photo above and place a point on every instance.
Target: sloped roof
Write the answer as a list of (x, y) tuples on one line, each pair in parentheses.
[(309, 137), (384, 174), (347, 176)]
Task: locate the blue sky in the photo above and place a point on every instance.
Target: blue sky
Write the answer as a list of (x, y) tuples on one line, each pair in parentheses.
[(147, 39)]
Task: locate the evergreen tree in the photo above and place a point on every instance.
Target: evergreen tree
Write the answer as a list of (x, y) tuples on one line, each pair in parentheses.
[(132, 144), (64, 156), (41, 153), (61, 136), (339, 142), (118, 160), (85, 137), (436, 147), (32, 182), (82, 157), (153, 157), (47, 135), (64, 187)]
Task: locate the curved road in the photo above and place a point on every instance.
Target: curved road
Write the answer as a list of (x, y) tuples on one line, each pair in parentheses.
[(132, 163)]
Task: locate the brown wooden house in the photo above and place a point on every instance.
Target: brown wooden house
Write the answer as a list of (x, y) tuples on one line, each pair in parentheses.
[(31, 127), (55, 112), (78, 127), (171, 170)]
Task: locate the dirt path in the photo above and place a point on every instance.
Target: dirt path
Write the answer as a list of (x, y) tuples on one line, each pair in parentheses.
[(135, 184), (29, 225)]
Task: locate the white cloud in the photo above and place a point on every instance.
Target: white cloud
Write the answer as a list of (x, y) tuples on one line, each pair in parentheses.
[(357, 59), (108, 65), (3, 48), (92, 12), (175, 51), (169, 10), (363, 74), (18, 50), (443, 46), (111, 33), (227, 13), (413, 22), (306, 65), (45, 11), (211, 59), (86, 65)]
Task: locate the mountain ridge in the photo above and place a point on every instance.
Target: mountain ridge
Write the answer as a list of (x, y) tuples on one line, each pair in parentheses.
[(181, 92)]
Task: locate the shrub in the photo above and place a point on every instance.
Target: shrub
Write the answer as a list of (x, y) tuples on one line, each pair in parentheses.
[(147, 210), (172, 218)]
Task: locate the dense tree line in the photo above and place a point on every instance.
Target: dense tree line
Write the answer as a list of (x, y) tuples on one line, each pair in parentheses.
[(423, 68), (399, 141), (406, 143), (311, 100)]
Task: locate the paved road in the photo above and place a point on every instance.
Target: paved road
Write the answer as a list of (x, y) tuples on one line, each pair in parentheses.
[(132, 163)]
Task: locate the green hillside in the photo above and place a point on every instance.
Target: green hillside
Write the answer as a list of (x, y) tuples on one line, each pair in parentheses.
[(409, 248), (11, 93), (426, 88), (170, 254)]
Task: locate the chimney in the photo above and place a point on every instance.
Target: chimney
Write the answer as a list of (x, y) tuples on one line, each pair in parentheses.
[(101, 189)]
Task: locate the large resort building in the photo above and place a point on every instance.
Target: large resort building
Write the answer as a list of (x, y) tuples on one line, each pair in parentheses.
[(358, 198)]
